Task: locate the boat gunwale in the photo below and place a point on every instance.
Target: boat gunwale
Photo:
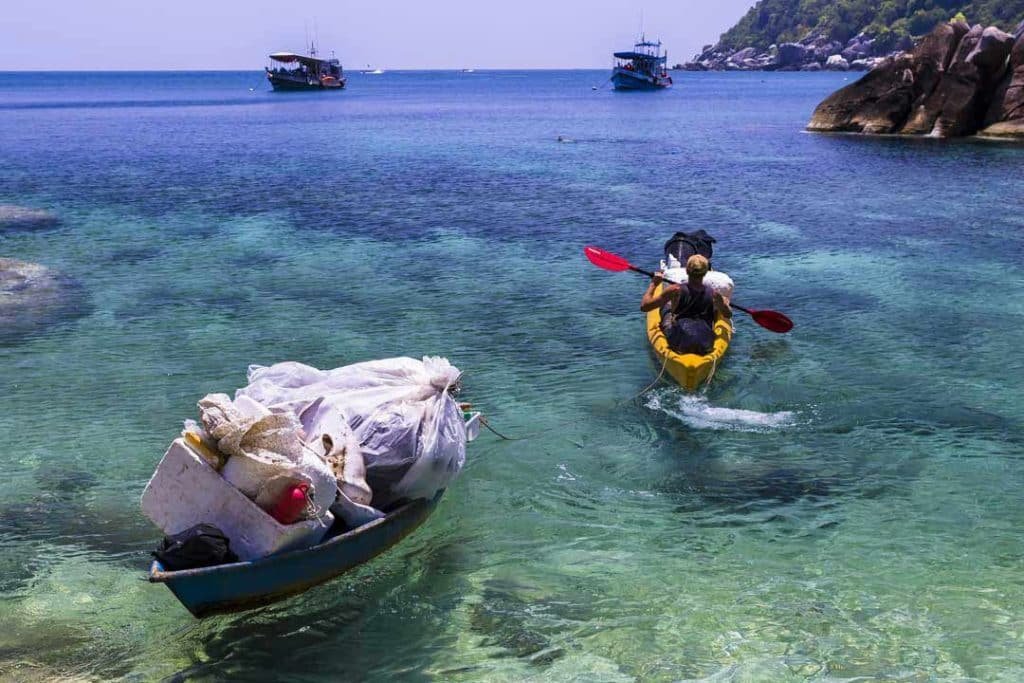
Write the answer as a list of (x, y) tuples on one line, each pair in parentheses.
[(159, 575)]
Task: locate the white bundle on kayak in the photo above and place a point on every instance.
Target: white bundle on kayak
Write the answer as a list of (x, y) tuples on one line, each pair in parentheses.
[(408, 426), (718, 281)]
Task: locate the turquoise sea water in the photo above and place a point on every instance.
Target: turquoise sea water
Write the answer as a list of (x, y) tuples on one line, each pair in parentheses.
[(841, 503)]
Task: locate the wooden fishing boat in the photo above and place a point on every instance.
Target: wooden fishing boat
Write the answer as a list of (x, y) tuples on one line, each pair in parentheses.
[(244, 585), (642, 68), (688, 369), (305, 72)]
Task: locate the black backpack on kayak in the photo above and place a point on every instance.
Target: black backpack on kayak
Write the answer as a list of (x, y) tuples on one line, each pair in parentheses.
[(202, 545), (683, 245)]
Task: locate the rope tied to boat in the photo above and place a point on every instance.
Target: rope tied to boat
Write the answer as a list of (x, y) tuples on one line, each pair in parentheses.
[(485, 423), (714, 367), (652, 384)]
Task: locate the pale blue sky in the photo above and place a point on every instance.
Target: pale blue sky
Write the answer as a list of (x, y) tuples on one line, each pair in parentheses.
[(401, 34)]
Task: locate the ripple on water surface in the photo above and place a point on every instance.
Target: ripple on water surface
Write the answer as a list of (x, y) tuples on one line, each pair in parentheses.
[(840, 503)]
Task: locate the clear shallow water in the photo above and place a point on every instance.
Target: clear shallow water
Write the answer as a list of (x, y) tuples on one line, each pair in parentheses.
[(842, 503)]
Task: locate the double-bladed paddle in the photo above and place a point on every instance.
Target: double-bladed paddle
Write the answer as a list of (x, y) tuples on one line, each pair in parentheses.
[(770, 320)]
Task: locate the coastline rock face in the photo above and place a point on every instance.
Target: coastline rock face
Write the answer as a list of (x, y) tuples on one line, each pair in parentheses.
[(837, 63), (1005, 116), (23, 218), (857, 50), (951, 85), (792, 54), (33, 296), (810, 53), (962, 96), (743, 55), (932, 58), (877, 103)]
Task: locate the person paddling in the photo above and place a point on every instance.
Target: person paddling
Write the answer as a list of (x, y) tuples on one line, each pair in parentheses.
[(688, 318)]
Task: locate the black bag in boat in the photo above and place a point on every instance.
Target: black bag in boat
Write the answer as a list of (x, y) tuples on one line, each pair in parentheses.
[(683, 245), (202, 545)]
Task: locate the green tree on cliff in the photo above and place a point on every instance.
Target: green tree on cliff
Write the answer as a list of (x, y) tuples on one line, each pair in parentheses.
[(780, 21)]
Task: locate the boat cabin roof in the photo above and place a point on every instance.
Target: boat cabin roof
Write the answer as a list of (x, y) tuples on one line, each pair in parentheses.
[(636, 55), (288, 57)]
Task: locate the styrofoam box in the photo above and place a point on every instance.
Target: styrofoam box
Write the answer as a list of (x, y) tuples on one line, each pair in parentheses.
[(185, 491)]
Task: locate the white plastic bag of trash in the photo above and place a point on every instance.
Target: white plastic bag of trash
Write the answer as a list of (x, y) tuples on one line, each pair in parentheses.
[(715, 279), (266, 452), (409, 427)]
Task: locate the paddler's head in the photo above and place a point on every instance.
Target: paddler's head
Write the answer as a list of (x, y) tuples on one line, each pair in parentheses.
[(697, 267)]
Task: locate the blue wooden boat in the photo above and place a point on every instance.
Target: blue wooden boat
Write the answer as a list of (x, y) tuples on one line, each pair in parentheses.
[(244, 585), (643, 68)]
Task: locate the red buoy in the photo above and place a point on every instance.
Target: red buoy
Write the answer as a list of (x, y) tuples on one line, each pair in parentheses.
[(290, 506)]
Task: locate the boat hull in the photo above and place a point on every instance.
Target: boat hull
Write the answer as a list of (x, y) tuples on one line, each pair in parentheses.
[(624, 79), (688, 369), (290, 84), (244, 585)]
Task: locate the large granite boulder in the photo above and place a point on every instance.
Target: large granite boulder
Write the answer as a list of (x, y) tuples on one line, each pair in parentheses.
[(24, 218), (880, 102), (742, 55), (877, 103), (948, 86), (1005, 116), (821, 53), (792, 54), (837, 63), (33, 296), (932, 58), (962, 97), (858, 50)]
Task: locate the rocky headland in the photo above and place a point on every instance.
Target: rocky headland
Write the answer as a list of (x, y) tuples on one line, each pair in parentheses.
[(814, 52), (959, 80), (839, 35)]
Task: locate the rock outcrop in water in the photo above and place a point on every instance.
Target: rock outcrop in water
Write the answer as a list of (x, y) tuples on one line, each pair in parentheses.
[(958, 81), (23, 218), (33, 296)]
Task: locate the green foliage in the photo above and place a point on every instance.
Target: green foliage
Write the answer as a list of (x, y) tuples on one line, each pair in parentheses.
[(780, 21)]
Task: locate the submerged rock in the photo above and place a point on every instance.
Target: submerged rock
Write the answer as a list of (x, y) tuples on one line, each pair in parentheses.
[(954, 83), (24, 218), (33, 296)]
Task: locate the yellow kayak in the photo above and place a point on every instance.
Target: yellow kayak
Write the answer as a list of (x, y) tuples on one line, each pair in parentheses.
[(689, 369)]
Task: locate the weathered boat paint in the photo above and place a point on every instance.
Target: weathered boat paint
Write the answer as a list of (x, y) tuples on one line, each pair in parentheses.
[(244, 585)]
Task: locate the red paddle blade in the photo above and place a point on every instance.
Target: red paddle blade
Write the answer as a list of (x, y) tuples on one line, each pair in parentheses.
[(606, 260), (772, 320)]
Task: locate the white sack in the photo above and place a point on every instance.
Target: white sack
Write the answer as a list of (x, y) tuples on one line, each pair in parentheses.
[(266, 451), (410, 429), (715, 279)]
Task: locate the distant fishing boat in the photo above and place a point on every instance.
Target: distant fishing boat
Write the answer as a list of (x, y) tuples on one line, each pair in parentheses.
[(305, 72), (372, 72), (644, 68)]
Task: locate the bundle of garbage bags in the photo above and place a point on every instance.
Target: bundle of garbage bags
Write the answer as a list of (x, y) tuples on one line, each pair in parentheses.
[(348, 442)]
